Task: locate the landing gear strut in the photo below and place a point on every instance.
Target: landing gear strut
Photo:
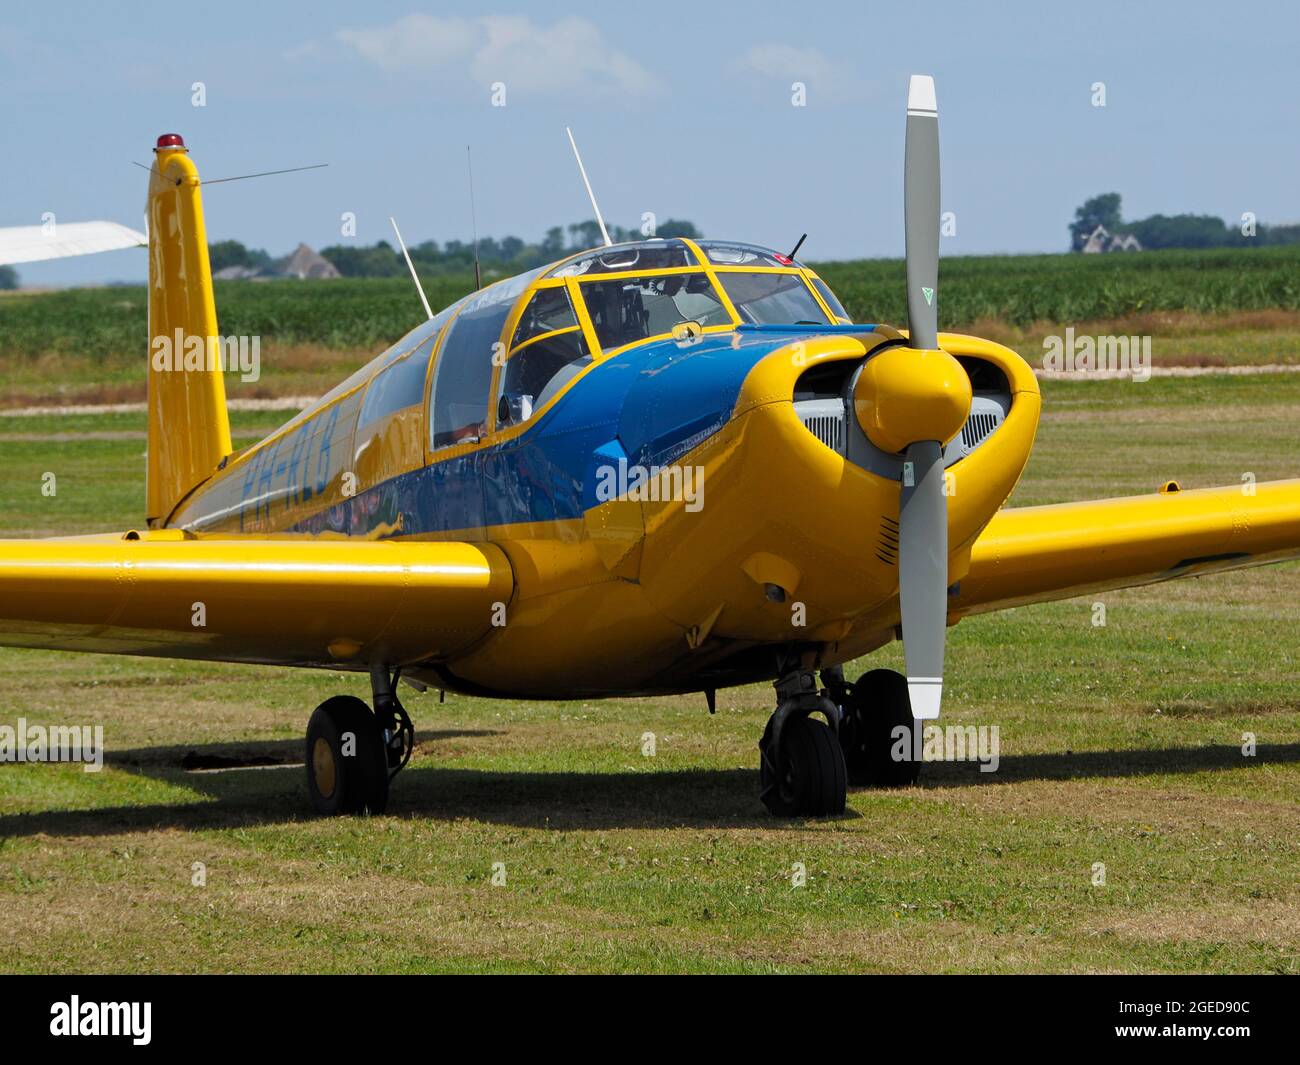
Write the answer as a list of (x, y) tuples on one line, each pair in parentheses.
[(352, 754), (394, 722), (801, 767)]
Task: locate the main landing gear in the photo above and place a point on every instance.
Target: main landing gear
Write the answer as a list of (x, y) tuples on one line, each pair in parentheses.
[(801, 766), (353, 754), (806, 764)]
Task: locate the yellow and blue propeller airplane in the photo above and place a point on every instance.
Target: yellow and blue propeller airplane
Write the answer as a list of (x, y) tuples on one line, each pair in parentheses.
[(665, 466)]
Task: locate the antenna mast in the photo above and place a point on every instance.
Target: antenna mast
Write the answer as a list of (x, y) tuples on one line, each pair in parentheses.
[(411, 266), (473, 219), (591, 195)]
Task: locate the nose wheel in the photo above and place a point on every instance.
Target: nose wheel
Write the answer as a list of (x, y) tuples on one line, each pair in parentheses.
[(801, 768), (878, 732)]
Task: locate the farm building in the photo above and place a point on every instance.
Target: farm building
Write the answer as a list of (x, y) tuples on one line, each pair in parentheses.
[(1102, 240), (304, 263)]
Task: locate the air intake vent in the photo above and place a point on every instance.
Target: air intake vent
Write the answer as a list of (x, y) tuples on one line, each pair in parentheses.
[(828, 429), (887, 542), (978, 426), (824, 418)]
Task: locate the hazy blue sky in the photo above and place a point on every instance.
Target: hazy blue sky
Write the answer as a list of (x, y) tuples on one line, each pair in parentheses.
[(683, 109)]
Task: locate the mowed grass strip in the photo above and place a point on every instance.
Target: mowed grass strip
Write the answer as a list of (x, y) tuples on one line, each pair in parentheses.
[(1121, 746)]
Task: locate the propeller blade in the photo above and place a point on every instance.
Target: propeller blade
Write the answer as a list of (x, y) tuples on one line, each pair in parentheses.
[(923, 574), (921, 210)]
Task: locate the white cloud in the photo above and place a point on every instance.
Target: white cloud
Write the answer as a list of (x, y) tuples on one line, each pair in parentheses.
[(787, 64), (309, 51), (570, 54), (414, 41)]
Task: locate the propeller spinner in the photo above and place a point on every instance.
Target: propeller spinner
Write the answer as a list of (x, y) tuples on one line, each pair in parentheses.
[(912, 401)]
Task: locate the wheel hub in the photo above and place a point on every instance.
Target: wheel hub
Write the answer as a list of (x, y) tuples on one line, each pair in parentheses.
[(322, 767)]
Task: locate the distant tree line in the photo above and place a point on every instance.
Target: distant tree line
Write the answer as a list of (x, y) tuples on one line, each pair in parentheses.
[(231, 253), (508, 255), (1173, 231), (8, 277)]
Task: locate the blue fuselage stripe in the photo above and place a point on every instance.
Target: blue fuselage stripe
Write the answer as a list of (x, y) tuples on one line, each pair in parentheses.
[(648, 406)]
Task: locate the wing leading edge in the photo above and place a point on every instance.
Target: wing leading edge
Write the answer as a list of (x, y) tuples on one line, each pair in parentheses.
[(279, 602), (1036, 554), (30, 244)]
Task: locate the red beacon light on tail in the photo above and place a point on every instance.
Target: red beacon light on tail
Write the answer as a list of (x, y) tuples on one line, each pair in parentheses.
[(171, 140)]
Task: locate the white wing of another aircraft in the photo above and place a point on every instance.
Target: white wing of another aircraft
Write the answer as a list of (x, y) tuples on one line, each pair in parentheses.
[(29, 244)]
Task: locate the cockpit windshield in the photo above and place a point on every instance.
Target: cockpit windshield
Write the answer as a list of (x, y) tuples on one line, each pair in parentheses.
[(770, 298)]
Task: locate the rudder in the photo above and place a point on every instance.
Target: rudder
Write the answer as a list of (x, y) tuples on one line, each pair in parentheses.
[(189, 428)]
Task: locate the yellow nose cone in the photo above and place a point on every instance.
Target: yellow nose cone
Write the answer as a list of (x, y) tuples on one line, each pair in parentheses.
[(904, 396)]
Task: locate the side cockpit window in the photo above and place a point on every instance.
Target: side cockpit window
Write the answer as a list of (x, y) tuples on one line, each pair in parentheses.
[(548, 310), (546, 352), (389, 436), (398, 385), (463, 376), (824, 290)]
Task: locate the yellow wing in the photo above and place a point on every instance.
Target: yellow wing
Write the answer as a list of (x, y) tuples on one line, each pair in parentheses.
[(279, 602), (1033, 554)]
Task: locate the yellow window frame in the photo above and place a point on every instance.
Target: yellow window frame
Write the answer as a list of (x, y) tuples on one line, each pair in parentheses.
[(512, 323), (496, 434)]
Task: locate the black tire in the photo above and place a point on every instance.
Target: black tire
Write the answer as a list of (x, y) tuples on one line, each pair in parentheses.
[(340, 783), (806, 778), (877, 705)]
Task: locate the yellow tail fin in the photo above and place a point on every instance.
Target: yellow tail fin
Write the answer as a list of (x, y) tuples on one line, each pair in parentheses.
[(189, 429)]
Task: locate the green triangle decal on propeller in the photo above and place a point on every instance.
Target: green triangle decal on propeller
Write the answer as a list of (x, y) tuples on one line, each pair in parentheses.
[(928, 293)]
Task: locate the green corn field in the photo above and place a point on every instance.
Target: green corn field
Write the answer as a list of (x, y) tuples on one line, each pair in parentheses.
[(367, 313)]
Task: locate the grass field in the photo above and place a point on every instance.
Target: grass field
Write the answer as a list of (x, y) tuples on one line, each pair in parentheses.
[(1120, 745)]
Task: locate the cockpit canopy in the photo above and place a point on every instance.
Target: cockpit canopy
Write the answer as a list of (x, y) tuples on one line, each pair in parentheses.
[(502, 354)]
